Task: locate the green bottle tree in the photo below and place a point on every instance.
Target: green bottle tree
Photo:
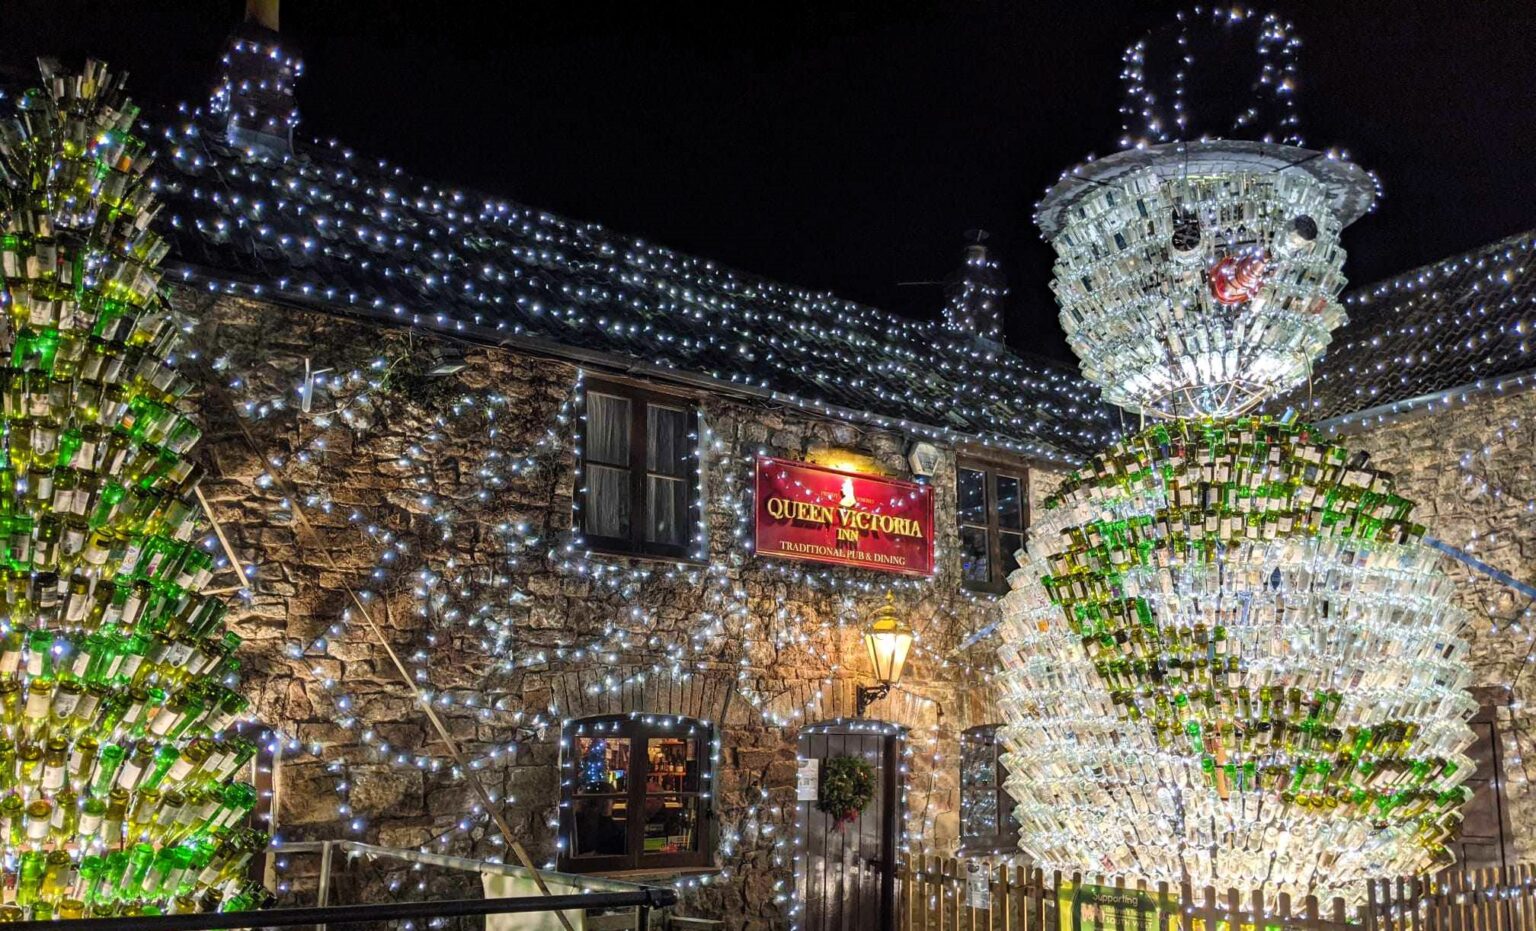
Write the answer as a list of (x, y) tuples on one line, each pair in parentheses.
[(118, 761)]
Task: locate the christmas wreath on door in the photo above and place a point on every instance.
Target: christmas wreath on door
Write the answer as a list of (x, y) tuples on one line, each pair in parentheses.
[(847, 785)]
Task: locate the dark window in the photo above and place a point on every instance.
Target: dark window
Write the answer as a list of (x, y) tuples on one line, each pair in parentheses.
[(639, 486), (635, 793), (1485, 839), (987, 825), (992, 515)]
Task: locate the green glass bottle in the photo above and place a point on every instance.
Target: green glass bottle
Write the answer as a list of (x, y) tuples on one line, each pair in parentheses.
[(30, 877), (105, 772), (140, 858), (91, 826)]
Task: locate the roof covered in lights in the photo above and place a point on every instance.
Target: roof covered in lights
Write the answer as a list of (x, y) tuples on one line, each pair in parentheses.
[(1466, 323), (326, 227)]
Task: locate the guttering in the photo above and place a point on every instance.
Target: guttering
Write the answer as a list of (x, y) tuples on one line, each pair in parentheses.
[(1423, 405)]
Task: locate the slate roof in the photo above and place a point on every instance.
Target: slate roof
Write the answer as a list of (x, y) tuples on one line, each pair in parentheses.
[(1465, 321), (326, 227)]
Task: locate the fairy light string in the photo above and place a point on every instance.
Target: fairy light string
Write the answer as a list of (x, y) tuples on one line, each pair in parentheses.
[(443, 600)]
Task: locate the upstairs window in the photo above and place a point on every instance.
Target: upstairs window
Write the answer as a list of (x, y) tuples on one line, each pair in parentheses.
[(635, 793), (987, 825), (992, 515), (639, 487)]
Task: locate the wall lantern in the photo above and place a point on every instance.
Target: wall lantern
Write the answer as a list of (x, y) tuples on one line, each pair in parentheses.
[(888, 638), (923, 458)]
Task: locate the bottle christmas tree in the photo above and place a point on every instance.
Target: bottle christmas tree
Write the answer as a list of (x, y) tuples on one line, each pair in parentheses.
[(117, 755)]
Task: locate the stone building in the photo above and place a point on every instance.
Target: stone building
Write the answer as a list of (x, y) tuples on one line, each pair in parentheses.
[(492, 478)]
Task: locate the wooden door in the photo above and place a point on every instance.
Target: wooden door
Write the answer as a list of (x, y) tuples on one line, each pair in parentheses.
[(848, 876)]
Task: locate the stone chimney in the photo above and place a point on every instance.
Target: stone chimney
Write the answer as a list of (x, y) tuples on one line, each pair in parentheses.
[(974, 293), (255, 92)]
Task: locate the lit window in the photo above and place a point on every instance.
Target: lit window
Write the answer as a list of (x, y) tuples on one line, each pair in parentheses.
[(640, 472), (635, 793)]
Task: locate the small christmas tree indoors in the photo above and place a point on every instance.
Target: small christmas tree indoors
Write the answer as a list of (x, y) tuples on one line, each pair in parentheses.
[(116, 753)]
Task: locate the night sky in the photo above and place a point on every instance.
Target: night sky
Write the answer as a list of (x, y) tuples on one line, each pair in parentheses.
[(840, 146)]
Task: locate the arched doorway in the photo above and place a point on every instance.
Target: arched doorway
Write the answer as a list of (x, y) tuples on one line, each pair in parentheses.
[(847, 873)]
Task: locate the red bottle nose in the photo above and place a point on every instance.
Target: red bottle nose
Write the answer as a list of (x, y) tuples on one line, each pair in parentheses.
[(1237, 279)]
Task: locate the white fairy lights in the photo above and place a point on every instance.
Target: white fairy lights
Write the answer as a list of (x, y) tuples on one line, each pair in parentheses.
[(483, 603), (371, 238), (1145, 119)]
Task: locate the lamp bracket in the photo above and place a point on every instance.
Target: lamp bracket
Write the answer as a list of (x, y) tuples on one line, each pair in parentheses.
[(868, 695)]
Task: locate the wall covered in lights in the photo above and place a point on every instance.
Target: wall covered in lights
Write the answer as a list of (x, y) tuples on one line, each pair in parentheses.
[(442, 507)]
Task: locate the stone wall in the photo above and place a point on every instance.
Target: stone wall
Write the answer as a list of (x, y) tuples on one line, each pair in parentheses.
[(758, 646), (336, 510)]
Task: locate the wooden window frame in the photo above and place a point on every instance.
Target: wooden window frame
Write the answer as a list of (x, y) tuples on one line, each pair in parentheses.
[(997, 580), (641, 400), (1005, 841), (639, 730)]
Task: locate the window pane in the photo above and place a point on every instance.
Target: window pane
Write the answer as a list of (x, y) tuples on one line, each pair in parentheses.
[(978, 813), (602, 765), (971, 492), (674, 765), (980, 767), (666, 500), (666, 441), (671, 823), (607, 504), (1011, 543), (1010, 507), (599, 827), (974, 564), (607, 429)]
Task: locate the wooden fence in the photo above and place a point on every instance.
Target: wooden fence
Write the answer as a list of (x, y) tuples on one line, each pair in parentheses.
[(946, 894)]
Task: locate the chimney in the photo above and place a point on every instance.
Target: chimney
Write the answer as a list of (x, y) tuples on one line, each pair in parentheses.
[(974, 293), (255, 92)]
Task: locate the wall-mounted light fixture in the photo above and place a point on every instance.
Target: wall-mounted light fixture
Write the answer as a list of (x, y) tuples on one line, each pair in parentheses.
[(887, 638)]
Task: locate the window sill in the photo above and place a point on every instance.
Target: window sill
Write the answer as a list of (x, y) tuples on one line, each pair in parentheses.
[(996, 589), (659, 873), (598, 552), (1004, 848)]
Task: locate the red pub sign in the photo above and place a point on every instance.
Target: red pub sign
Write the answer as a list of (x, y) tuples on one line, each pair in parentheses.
[(826, 515)]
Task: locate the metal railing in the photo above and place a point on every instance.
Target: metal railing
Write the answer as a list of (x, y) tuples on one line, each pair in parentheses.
[(642, 899), (588, 903)]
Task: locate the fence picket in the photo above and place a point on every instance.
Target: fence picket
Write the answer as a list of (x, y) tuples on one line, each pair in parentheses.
[(1018, 905), (926, 890), (1042, 915), (1520, 918), (1004, 895), (935, 896), (914, 920), (1522, 899)]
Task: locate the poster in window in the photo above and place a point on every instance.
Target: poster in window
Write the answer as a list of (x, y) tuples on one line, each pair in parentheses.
[(808, 781)]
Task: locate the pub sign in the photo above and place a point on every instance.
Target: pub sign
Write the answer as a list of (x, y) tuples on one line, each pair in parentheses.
[(817, 514)]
